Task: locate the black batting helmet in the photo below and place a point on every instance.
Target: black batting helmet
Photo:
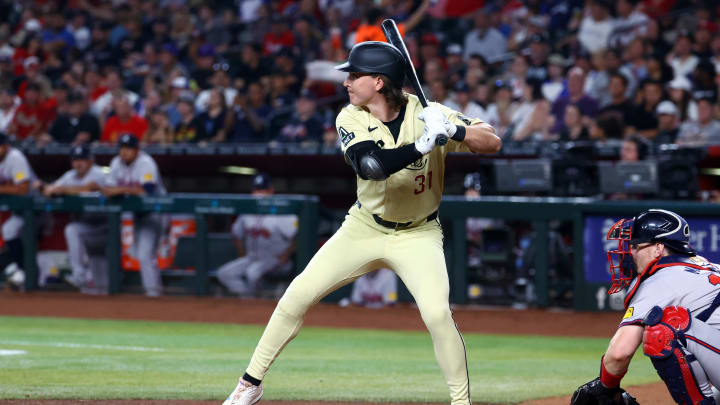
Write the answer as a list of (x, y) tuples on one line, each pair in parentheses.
[(376, 57)]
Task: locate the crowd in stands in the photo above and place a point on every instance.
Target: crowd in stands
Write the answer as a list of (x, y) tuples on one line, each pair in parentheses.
[(191, 71)]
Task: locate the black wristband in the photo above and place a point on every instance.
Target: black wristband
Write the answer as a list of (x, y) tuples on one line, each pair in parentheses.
[(459, 133), (252, 380)]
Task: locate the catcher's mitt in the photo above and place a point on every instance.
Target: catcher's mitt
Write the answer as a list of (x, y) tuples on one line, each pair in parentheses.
[(594, 393)]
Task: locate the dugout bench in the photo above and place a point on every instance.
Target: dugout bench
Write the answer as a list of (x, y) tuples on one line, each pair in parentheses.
[(201, 205)]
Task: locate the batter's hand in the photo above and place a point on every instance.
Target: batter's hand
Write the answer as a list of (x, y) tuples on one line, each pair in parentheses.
[(595, 393), (433, 114), (434, 129)]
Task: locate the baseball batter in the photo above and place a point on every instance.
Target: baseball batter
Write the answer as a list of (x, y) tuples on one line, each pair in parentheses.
[(388, 139), (134, 172), (85, 176), (16, 177), (265, 244), (671, 309)]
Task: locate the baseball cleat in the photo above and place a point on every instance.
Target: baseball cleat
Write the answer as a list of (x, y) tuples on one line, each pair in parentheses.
[(244, 394)]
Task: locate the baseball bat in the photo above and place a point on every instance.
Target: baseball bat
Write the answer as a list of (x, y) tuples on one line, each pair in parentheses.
[(392, 34)]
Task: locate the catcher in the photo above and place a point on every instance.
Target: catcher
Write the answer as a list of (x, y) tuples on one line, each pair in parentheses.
[(671, 308)]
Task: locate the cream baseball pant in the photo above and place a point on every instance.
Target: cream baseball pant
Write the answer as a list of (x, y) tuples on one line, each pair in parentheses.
[(359, 246)]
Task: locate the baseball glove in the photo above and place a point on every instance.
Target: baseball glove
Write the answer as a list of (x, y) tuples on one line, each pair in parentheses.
[(595, 393)]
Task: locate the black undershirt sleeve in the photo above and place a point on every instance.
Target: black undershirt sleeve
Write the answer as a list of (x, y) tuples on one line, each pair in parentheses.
[(392, 160)]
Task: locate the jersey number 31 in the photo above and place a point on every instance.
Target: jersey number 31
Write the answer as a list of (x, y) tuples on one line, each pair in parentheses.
[(420, 182)]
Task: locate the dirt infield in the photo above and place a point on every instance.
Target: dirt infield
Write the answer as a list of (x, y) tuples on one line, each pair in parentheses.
[(227, 310)]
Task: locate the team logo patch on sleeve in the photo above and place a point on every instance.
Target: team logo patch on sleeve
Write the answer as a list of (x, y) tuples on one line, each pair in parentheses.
[(19, 176), (629, 313), (148, 177), (345, 136)]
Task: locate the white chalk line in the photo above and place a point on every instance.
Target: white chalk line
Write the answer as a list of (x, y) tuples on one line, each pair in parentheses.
[(83, 346)]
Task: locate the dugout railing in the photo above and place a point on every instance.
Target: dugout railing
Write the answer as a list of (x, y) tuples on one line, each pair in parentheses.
[(200, 205), (454, 211)]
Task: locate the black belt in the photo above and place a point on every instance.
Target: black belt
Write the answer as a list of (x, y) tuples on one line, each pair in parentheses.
[(396, 225)]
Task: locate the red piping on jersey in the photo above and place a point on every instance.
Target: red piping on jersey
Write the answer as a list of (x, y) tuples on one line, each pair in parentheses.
[(688, 377), (651, 269), (704, 344)]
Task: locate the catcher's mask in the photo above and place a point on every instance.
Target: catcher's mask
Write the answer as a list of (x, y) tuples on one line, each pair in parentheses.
[(622, 266)]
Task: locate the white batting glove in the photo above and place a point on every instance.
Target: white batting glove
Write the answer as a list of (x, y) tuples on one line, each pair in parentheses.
[(426, 142), (433, 115)]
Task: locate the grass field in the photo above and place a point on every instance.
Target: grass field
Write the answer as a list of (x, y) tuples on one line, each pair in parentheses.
[(73, 358)]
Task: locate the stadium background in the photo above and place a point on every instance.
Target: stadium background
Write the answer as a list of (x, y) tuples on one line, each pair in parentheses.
[(220, 90)]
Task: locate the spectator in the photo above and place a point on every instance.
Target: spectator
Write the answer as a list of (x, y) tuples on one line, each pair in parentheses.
[(159, 129), (77, 126), (574, 129), (251, 114), (484, 39), (204, 61), (643, 119), (532, 120), (679, 90), (630, 23), (265, 244), (55, 37), (607, 126), (31, 118), (575, 94), (463, 102), (124, 121), (331, 140), (101, 53), (715, 46), (190, 128), (705, 130), (114, 87), (432, 72), (279, 36), (78, 28), (635, 68), (537, 58), (220, 80), (217, 120), (16, 177), (556, 77), (703, 79), (597, 82), (596, 27), (681, 59), (658, 69), (517, 75), (34, 75), (89, 271), (618, 100), (655, 40), (668, 121), (134, 172), (8, 105), (634, 149), (307, 39), (376, 289), (250, 68), (369, 29), (178, 85), (498, 113), (305, 125)]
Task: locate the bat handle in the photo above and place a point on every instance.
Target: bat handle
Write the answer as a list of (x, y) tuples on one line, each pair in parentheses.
[(441, 140)]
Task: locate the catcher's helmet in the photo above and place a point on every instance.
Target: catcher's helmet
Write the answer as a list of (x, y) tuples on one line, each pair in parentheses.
[(376, 57), (473, 181), (651, 226)]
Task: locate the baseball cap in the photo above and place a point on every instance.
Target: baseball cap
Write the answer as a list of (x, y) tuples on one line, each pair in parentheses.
[(206, 50), (261, 181), (307, 94), (80, 152), (429, 38), (128, 140), (31, 61), (666, 107), (179, 82), (454, 49), (557, 59), (4, 139)]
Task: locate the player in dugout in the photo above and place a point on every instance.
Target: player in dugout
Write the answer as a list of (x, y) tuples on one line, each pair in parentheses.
[(389, 140)]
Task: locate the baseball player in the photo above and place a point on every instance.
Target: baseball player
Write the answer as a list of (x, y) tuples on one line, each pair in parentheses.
[(388, 139), (265, 244), (85, 176), (671, 309), (375, 289), (16, 177), (134, 172)]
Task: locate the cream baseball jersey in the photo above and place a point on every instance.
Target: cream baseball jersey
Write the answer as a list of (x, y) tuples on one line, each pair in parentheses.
[(414, 192)]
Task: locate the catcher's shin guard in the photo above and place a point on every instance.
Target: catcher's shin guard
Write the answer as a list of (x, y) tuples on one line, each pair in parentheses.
[(663, 341)]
